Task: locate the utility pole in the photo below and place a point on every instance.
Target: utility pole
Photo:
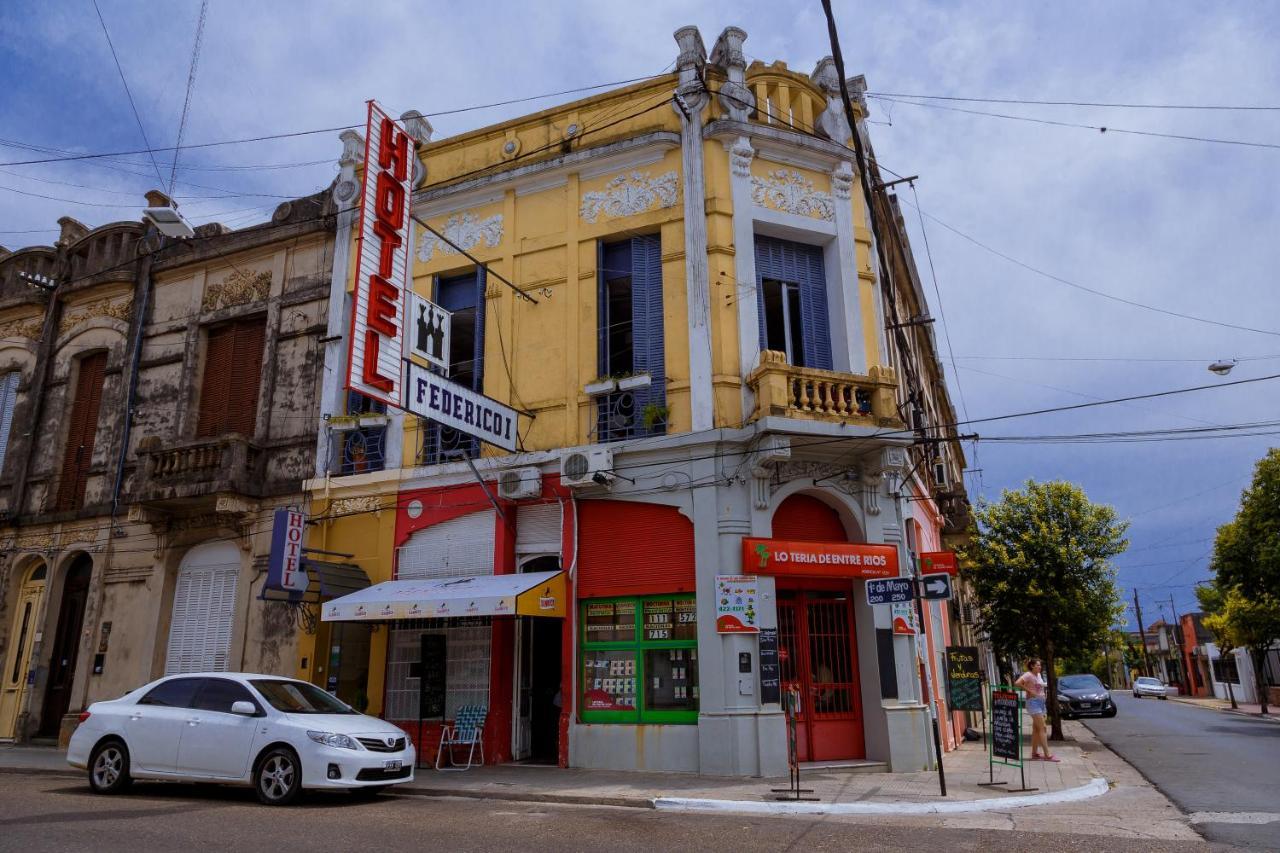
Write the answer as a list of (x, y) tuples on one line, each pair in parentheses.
[(1184, 679), (1146, 659)]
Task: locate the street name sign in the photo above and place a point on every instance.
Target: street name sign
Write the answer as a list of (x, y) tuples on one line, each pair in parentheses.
[(935, 587), (889, 590)]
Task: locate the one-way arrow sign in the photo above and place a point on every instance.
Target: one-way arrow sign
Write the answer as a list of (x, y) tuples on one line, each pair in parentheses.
[(935, 587)]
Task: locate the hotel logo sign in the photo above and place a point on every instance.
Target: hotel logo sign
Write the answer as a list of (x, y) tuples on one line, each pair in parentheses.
[(382, 263)]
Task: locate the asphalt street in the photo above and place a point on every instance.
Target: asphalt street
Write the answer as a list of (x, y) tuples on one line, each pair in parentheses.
[(1223, 770), (59, 813)]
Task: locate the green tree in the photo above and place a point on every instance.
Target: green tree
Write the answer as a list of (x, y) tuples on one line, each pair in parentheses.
[(1038, 560), (1213, 602), (1246, 567)]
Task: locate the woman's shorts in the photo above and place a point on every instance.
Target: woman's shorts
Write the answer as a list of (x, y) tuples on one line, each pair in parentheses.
[(1035, 707)]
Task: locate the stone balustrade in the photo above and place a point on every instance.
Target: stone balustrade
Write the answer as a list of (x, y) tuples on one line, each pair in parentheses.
[(783, 390)]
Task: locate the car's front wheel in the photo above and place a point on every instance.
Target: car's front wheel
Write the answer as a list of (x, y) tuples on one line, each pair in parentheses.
[(109, 768), (279, 777), (1162, 696), (1110, 712)]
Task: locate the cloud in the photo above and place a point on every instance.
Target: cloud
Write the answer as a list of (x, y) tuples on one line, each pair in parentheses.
[(1186, 225)]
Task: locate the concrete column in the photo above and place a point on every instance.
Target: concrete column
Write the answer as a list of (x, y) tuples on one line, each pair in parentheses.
[(744, 265)]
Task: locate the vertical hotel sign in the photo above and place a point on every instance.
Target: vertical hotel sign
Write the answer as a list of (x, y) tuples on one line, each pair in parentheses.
[(382, 264)]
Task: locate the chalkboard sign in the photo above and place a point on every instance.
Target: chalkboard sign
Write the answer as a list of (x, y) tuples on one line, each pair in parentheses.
[(964, 679), (770, 677), (431, 678), (1006, 725)]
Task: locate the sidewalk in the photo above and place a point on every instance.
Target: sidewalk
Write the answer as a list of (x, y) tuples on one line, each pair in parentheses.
[(1244, 710)]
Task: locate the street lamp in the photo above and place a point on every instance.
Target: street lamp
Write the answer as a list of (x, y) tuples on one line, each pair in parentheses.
[(1223, 366)]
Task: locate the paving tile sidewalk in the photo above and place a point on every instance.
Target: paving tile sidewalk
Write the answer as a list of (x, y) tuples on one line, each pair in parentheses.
[(1244, 710), (965, 769)]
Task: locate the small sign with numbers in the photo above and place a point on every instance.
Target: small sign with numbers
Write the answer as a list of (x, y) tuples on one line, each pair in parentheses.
[(736, 611)]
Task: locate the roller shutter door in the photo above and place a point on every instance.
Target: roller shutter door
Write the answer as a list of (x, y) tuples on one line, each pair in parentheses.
[(455, 548), (631, 548), (203, 610)]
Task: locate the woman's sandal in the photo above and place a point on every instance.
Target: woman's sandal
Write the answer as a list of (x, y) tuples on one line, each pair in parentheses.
[(1052, 758)]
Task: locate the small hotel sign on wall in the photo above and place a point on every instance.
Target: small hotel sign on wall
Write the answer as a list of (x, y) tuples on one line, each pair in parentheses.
[(382, 265)]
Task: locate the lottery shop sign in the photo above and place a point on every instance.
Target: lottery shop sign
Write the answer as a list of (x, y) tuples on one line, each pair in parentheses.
[(818, 559), (382, 263)]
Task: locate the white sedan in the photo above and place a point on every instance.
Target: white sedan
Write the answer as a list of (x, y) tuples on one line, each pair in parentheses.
[(277, 734), (1147, 686)]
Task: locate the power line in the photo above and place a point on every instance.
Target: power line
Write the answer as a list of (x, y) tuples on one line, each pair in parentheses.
[(1100, 128), (1092, 290), (1136, 359), (132, 105), (292, 134), (191, 82), (1223, 107)]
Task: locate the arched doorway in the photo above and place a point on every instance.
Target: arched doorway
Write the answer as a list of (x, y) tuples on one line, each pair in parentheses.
[(66, 645), (18, 673), (204, 598), (817, 644)]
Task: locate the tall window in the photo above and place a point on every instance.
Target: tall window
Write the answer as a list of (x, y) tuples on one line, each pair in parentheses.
[(463, 295), (232, 375), (630, 340), (81, 431), (791, 301), (8, 399)]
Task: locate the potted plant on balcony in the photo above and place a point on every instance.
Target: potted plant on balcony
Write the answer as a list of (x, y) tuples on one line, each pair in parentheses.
[(632, 381), (654, 414), (600, 385)]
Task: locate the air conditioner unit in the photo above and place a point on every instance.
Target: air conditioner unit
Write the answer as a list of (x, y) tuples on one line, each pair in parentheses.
[(520, 483), (592, 467), (940, 474)]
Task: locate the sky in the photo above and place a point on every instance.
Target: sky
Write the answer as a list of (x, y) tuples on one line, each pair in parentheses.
[(1183, 225)]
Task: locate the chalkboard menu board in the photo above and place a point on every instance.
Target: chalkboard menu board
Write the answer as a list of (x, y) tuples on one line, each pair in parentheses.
[(964, 679), (431, 678), (1006, 725), (770, 677)]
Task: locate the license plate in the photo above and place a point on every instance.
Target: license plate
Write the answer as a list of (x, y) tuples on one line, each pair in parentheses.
[(392, 764), (1086, 704)]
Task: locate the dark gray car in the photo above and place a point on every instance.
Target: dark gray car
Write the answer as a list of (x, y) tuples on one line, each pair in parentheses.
[(1084, 696)]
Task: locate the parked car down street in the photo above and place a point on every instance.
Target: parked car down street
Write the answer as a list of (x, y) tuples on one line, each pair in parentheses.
[(1148, 686), (1084, 696), (277, 734)]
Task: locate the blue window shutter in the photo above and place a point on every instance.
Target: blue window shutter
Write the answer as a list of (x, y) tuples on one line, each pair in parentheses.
[(602, 313), (813, 307), (482, 279), (648, 344), (764, 268), (8, 399)]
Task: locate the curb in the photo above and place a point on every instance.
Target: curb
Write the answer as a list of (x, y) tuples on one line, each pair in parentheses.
[(519, 797), (1093, 788), (1195, 703)]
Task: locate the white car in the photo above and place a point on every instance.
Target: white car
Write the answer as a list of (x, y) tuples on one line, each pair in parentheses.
[(1147, 686), (277, 734)]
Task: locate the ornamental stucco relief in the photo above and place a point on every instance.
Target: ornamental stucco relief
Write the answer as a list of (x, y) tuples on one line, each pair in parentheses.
[(465, 230), (627, 195), (788, 191), (102, 308), (236, 289), (28, 328)]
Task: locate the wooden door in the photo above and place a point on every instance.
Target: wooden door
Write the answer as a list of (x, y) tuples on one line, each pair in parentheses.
[(818, 654), (17, 663), (66, 645)]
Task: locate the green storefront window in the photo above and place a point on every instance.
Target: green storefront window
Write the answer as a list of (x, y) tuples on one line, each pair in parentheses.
[(639, 660)]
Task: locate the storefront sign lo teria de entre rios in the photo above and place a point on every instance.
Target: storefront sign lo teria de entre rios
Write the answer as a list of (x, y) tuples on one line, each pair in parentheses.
[(824, 559)]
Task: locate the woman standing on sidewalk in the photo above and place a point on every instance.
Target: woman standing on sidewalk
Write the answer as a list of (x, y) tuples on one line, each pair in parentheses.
[(1033, 684)]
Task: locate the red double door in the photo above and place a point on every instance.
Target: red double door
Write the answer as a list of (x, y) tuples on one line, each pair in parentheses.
[(818, 654)]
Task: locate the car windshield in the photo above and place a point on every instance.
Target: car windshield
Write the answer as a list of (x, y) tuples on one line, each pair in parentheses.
[(1080, 682), (298, 697), (1149, 681)]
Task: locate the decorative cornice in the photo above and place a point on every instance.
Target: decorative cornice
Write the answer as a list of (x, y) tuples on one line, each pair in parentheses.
[(740, 156), (117, 310), (465, 230), (788, 191), (237, 288), (842, 182), (351, 506), (627, 195)]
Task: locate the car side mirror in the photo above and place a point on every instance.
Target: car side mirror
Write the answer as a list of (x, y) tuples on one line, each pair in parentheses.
[(244, 708), (1107, 686)]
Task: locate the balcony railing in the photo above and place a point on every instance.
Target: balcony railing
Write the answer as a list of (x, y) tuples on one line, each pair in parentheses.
[(783, 390), (199, 468), (626, 414)]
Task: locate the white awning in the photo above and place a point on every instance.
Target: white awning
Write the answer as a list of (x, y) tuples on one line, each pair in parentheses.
[(531, 594)]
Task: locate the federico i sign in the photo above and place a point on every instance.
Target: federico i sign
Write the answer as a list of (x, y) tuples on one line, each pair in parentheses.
[(432, 396)]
